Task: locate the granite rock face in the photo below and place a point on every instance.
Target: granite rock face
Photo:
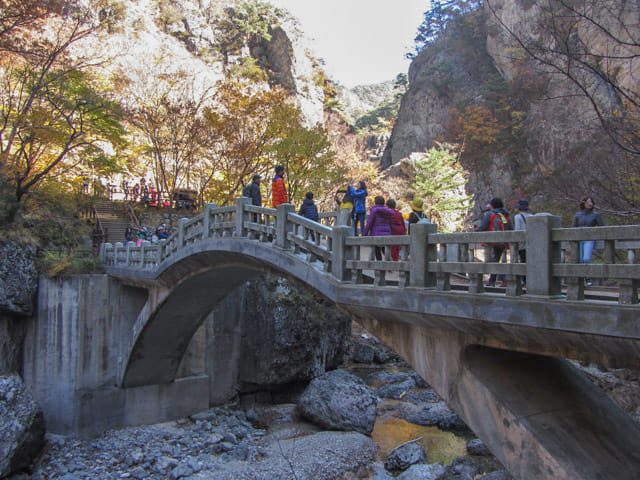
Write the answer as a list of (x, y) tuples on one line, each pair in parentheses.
[(18, 279), (292, 335), (22, 426)]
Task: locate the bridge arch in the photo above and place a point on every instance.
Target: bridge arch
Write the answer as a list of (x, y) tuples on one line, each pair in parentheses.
[(188, 288)]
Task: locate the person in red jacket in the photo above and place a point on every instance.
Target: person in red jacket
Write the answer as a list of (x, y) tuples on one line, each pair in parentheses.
[(397, 228), (278, 188)]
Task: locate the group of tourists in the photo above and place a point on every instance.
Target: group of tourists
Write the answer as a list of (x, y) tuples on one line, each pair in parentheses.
[(142, 234), (385, 219), (497, 219)]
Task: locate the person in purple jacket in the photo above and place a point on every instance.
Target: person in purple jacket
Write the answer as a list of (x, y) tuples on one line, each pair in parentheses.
[(378, 223)]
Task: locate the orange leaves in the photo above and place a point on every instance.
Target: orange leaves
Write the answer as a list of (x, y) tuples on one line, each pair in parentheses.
[(475, 124)]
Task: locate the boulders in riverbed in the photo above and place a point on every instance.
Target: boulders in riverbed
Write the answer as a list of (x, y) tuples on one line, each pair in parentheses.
[(21, 426), (338, 400), (405, 455)]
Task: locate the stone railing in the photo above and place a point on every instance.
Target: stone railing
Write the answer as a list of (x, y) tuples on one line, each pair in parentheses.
[(427, 259)]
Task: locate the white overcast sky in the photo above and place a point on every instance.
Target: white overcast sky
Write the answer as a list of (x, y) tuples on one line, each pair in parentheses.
[(361, 41)]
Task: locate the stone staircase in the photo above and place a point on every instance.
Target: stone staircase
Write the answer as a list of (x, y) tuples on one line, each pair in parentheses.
[(114, 221)]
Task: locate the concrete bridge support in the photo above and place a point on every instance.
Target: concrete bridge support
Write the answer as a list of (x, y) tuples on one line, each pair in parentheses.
[(539, 415), (75, 350)]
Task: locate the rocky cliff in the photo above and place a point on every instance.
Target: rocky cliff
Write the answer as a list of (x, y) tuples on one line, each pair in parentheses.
[(550, 146)]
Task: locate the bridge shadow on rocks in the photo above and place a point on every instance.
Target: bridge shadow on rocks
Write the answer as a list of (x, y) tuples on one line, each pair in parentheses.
[(495, 357)]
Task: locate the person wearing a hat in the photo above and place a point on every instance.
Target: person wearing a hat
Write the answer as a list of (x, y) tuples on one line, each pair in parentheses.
[(521, 224), (252, 191), (417, 214)]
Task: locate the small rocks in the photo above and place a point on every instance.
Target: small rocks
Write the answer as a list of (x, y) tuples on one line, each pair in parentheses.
[(477, 447)]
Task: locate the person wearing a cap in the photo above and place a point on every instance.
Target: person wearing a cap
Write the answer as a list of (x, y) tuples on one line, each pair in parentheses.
[(417, 212), (521, 224), (252, 191)]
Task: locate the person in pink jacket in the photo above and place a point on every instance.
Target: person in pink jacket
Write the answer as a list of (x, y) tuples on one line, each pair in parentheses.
[(397, 228), (378, 223)]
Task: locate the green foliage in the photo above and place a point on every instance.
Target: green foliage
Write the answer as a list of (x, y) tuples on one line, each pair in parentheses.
[(438, 17), (248, 69), (248, 23), (440, 180)]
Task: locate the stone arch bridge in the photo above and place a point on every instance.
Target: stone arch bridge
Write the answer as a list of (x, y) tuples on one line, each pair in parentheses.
[(495, 355)]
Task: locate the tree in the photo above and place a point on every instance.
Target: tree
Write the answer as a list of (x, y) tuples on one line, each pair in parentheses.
[(437, 18), (440, 180), (53, 117), (166, 108), (306, 154)]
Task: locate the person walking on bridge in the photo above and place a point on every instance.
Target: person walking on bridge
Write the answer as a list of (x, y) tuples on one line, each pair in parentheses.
[(379, 223), (278, 188), (496, 219), (252, 191), (359, 197), (587, 217)]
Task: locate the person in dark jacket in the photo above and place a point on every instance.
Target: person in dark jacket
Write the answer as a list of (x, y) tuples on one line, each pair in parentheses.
[(359, 197), (252, 191), (309, 210), (496, 212), (587, 217), (379, 223)]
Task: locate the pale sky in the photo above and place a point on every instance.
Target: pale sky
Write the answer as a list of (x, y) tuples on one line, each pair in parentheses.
[(361, 41)]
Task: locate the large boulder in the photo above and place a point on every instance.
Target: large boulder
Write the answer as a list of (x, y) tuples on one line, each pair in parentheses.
[(18, 279), (22, 426), (293, 335), (339, 400)]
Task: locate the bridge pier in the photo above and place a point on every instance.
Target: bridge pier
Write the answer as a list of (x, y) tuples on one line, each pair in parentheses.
[(539, 415)]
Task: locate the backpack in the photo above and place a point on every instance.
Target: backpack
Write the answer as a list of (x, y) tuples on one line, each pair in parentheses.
[(498, 222), (422, 218)]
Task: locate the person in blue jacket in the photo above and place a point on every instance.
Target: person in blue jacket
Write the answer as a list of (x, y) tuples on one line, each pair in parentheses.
[(309, 210), (359, 196)]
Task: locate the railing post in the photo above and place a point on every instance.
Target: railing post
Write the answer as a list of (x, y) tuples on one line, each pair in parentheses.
[(115, 252), (128, 255), (103, 252), (240, 203), (542, 254), (160, 250), (338, 252), (283, 227), (206, 219), (183, 221), (420, 254)]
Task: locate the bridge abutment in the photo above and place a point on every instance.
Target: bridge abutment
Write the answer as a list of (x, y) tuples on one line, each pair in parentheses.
[(75, 350)]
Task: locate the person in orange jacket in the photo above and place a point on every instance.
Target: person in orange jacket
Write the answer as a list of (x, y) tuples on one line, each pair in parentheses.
[(278, 188)]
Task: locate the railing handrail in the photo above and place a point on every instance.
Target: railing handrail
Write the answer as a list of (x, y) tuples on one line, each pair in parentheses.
[(426, 258)]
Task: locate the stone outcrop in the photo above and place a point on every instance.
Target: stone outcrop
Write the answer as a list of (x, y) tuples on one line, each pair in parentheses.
[(18, 287), (21, 426), (339, 400), (18, 279), (294, 337)]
